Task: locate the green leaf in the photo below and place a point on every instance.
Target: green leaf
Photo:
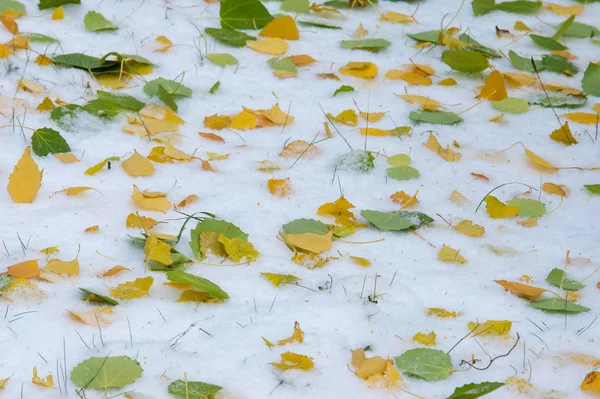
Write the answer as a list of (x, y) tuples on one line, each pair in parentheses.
[(562, 28), (105, 373), (55, 3), (476, 46), (399, 160), (482, 7), (229, 230), (193, 389), (318, 25), (523, 63), (302, 226), (282, 64), (430, 36), (582, 31), (511, 105), (167, 98), (473, 391), (48, 141), (5, 280), (558, 100), (558, 278), (38, 37), (96, 22), (520, 6), (101, 108), (231, 37), (465, 61), (298, 6), (528, 207), (12, 5), (356, 161), (591, 80), (396, 221), (136, 58), (197, 282), (435, 117), (593, 188), (558, 305), (214, 87), (222, 59), (343, 89), (373, 45), (80, 61), (175, 88), (244, 14), (547, 43), (122, 101), (425, 363), (558, 64), (98, 297), (403, 172)]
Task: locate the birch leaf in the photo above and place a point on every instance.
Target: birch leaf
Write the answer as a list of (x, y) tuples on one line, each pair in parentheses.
[(25, 180)]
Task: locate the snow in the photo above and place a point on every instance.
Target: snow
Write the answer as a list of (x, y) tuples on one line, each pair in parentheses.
[(225, 347)]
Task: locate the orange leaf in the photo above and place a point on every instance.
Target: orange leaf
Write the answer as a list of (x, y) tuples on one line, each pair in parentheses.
[(279, 187), (521, 290), (212, 137), (25, 269)]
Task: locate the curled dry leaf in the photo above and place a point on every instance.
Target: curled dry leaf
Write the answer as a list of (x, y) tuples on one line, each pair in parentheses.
[(521, 290)]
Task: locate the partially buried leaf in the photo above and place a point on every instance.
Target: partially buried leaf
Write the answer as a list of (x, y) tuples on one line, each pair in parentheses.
[(297, 6), (300, 147), (473, 390), (558, 305), (70, 268), (96, 22), (521, 290), (222, 59), (499, 210), (157, 250), (448, 254), (173, 87), (47, 382), (470, 229), (197, 282), (593, 188), (425, 339), (490, 327), (435, 117), (25, 180), (404, 200), (341, 207), (27, 269), (403, 172), (547, 43), (552, 188), (373, 45), (511, 105), (291, 360), (365, 70), (132, 289), (193, 389), (273, 46), (558, 278), (309, 242), (105, 373), (443, 313), (428, 364), (301, 226), (494, 89), (583, 117), (297, 336), (591, 382), (528, 207), (278, 279), (92, 170), (591, 80), (228, 36), (361, 261), (94, 297), (396, 221), (343, 89)]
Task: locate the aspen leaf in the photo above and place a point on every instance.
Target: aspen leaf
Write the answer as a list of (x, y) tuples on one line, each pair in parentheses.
[(132, 289), (396, 17), (490, 327), (528, 207), (361, 261), (25, 180), (412, 78), (521, 290), (282, 28), (341, 207), (58, 13), (499, 210), (149, 202), (31, 87), (114, 271), (297, 336), (360, 32), (447, 153), (591, 382), (448, 82), (425, 102), (96, 22), (49, 250), (425, 339), (45, 105), (519, 25), (291, 360), (243, 121), (347, 117), (473, 391), (212, 137), (458, 198), (201, 284), (106, 373), (279, 187), (372, 117), (371, 366), (278, 279), (137, 165), (299, 147), (302, 59), (583, 118), (399, 160), (364, 70), (448, 254), (67, 158), (238, 249), (92, 170), (10, 24), (93, 317), (443, 313), (195, 296), (311, 260), (552, 188), (70, 268), (511, 105), (494, 89), (164, 44), (565, 11), (404, 200), (519, 79), (190, 199), (140, 222), (27, 269), (539, 161), (273, 46), (372, 45), (157, 251), (529, 222), (3, 382), (47, 382), (309, 242), (428, 364), (470, 229)]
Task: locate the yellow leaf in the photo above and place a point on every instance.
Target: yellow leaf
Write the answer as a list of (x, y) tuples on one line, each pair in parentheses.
[(372, 117), (425, 102), (347, 117), (448, 82), (151, 203), (358, 357), (499, 210), (529, 222), (164, 43), (195, 296), (161, 113), (310, 260), (443, 313), (58, 13), (46, 105), (364, 70), (467, 228), (448, 254), (140, 222), (302, 59), (93, 317), (583, 118), (207, 166), (565, 11), (114, 270), (282, 28), (25, 180), (331, 76), (18, 43), (458, 198), (67, 158), (273, 46), (214, 156), (137, 165), (498, 119), (341, 207), (10, 24), (521, 26), (268, 343), (494, 89), (21, 288), (279, 187), (48, 382), (212, 137), (92, 170), (372, 131), (539, 161), (360, 32), (238, 249), (425, 339), (297, 336), (132, 289), (267, 166), (591, 382), (371, 366), (361, 261), (309, 242), (404, 200), (27, 269), (176, 154), (277, 116), (447, 153), (521, 290), (410, 77), (92, 229), (490, 327), (552, 188), (157, 251), (243, 121), (596, 108), (187, 201), (31, 87), (397, 17), (278, 279), (70, 268), (563, 134), (447, 39), (291, 360), (519, 79), (49, 250), (564, 54), (299, 147), (76, 190), (3, 382)]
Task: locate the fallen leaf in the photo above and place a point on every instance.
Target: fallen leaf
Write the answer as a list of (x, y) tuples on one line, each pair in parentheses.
[(458, 198), (132, 289), (47, 382), (157, 251), (448, 82), (279, 187), (341, 207), (140, 222), (137, 165), (563, 135), (410, 77), (499, 210), (300, 147), (443, 313), (282, 28), (364, 70), (347, 117), (565, 11), (309, 242), (448, 254), (27, 269), (212, 137), (361, 261), (190, 199), (396, 17), (291, 360), (591, 382), (360, 32), (583, 117), (70, 268), (31, 87), (58, 13), (302, 59), (297, 336), (164, 44), (93, 317), (67, 158), (114, 270), (552, 188), (521, 290), (92, 229), (150, 202), (490, 327), (426, 103), (470, 229), (278, 279), (404, 200), (25, 180), (447, 153), (425, 339), (273, 46), (494, 89)]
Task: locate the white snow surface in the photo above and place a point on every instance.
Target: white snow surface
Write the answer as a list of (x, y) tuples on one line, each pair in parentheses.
[(225, 346)]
